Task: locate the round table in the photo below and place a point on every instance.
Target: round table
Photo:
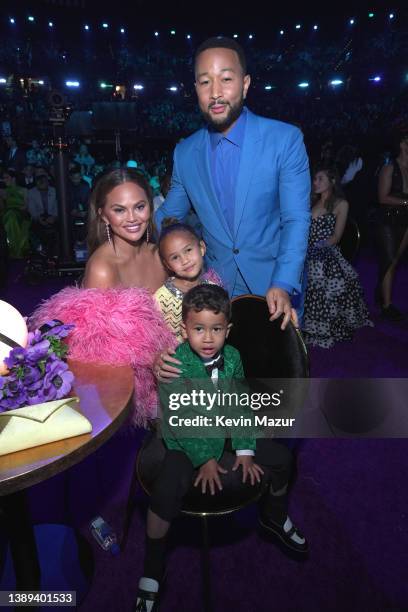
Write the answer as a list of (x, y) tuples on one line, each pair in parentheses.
[(105, 395)]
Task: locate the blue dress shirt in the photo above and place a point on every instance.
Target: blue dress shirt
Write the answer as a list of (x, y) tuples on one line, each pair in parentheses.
[(225, 155)]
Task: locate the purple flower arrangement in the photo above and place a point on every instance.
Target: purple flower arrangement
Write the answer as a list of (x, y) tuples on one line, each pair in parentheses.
[(37, 373)]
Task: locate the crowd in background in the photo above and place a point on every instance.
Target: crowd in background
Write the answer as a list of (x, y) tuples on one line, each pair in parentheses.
[(341, 124), (360, 106), (28, 182)]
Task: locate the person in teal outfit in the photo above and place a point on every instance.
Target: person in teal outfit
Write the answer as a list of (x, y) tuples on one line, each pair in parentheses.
[(208, 364), (14, 216)]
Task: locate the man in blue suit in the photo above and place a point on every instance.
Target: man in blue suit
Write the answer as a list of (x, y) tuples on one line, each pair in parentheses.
[(247, 178)]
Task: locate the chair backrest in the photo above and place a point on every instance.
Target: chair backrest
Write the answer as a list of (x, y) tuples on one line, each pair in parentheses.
[(350, 240), (266, 351)]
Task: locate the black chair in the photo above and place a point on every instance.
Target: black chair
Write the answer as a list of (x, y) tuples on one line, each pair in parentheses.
[(266, 352), (234, 496), (350, 241)]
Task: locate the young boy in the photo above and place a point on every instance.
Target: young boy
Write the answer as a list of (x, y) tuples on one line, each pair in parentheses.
[(206, 314)]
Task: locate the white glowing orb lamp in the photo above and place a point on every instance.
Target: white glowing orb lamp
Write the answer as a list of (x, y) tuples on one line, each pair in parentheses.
[(12, 327)]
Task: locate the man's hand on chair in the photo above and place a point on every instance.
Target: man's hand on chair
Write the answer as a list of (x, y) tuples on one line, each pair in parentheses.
[(279, 303)]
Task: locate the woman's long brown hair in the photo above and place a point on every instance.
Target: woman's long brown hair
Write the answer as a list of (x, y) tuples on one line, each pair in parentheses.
[(337, 192), (97, 234)]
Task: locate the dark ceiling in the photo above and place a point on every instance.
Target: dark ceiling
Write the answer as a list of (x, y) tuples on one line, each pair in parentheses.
[(214, 14), (263, 18)]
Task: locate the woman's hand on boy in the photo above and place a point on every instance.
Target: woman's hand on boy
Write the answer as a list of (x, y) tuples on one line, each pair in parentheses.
[(162, 368), (249, 468), (209, 473)]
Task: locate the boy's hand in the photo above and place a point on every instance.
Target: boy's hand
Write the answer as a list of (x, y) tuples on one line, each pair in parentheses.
[(209, 474), (249, 468)]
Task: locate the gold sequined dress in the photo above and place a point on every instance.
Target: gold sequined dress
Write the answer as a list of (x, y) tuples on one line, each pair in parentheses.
[(170, 298)]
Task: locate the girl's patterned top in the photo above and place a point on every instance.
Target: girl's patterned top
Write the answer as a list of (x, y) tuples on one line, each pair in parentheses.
[(170, 298)]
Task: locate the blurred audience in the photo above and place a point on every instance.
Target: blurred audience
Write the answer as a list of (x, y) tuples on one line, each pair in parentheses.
[(14, 217), (43, 209), (392, 223)]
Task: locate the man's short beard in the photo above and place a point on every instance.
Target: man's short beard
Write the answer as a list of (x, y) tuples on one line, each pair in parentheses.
[(233, 115)]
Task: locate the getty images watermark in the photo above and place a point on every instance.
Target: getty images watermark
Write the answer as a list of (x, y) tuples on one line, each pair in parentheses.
[(246, 404), (285, 408)]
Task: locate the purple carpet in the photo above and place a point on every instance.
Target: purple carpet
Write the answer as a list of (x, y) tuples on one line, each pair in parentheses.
[(350, 498)]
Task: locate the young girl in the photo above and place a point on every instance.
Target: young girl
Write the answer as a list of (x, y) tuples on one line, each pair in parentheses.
[(334, 304), (182, 253)]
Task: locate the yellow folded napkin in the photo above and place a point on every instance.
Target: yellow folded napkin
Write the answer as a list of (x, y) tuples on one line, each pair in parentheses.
[(41, 423)]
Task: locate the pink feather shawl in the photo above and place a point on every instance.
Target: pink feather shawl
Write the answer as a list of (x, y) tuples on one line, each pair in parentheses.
[(113, 327)]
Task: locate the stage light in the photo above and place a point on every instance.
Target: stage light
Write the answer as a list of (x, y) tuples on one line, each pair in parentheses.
[(336, 82), (103, 85), (298, 26), (72, 83), (30, 18), (375, 79), (3, 81), (282, 32), (105, 25), (50, 24), (12, 20), (188, 36), (156, 33), (268, 87), (173, 32), (370, 15), (315, 27), (138, 87), (303, 84), (86, 27), (250, 36), (122, 30), (391, 15), (41, 82), (235, 36), (351, 22), (173, 88)]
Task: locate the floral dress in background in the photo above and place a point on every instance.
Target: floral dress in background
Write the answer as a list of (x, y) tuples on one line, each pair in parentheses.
[(334, 303)]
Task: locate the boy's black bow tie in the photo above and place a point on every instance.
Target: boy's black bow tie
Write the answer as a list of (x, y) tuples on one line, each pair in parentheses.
[(218, 363)]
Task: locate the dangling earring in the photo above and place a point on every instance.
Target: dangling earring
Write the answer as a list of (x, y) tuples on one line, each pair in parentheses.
[(147, 235), (108, 234)]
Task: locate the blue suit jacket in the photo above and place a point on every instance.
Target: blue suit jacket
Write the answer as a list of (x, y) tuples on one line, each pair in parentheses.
[(272, 210)]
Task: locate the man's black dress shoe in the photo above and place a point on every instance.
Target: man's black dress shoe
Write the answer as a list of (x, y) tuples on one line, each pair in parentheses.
[(286, 537), (391, 313)]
